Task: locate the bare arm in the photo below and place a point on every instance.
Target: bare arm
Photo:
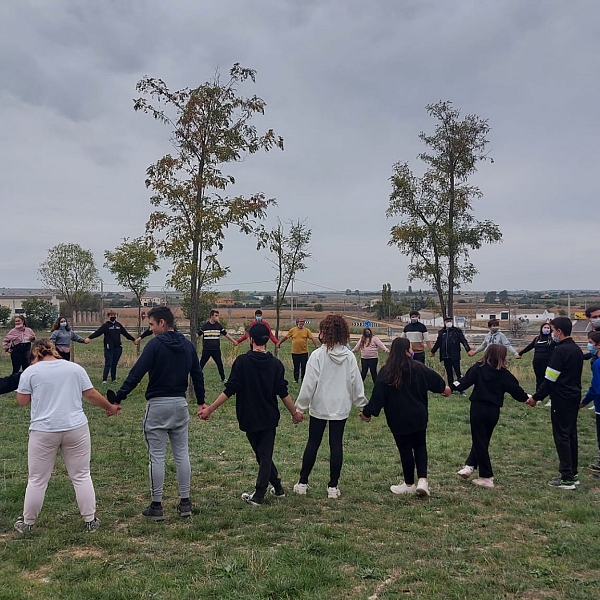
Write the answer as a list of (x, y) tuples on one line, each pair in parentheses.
[(204, 410), (23, 399), (97, 399)]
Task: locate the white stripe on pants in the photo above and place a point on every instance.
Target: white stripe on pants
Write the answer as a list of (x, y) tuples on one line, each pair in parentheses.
[(75, 447)]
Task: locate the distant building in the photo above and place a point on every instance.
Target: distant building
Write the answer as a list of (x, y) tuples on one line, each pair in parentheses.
[(225, 302), (152, 301), (15, 303), (428, 319), (505, 315)]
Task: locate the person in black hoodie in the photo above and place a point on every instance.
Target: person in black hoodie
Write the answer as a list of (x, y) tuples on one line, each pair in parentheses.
[(169, 359), (112, 331), (491, 380), (10, 383), (256, 379), (563, 383), (449, 341), (542, 346), (401, 390)]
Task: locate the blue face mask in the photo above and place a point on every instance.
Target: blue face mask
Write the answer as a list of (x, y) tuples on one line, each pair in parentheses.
[(63, 324), (258, 318), (591, 348), (555, 339)]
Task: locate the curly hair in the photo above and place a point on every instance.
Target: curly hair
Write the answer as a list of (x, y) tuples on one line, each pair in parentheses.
[(334, 330), (43, 348), (56, 325)]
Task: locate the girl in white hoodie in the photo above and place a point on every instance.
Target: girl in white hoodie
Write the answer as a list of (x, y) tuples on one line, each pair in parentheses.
[(331, 385)]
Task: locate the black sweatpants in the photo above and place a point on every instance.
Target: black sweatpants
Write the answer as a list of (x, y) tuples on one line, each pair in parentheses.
[(111, 360), (263, 443), (484, 417), (366, 365), (452, 364), (64, 355), (419, 357), (215, 354), (413, 452), (539, 368), (564, 431), (20, 355), (316, 428), (299, 361)]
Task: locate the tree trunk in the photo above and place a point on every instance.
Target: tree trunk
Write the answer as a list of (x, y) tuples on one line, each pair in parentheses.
[(451, 248)]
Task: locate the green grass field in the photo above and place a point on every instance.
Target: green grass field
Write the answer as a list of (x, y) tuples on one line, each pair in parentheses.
[(522, 539)]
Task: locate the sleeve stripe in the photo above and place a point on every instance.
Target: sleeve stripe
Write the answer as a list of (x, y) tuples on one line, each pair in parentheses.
[(552, 374)]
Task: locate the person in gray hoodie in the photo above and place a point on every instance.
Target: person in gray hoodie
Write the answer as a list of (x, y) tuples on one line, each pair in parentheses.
[(62, 336)]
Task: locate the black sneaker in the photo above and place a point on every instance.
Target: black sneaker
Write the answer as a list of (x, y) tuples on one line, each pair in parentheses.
[(562, 484), (92, 526), (277, 492), (250, 499), (154, 512), (21, 526), (595, 467), (184, 508)]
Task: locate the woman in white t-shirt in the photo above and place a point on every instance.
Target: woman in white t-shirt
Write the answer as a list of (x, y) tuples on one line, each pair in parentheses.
[(54, 388)]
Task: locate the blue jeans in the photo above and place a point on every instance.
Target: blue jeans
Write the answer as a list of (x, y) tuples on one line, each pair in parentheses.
[(111, 359)]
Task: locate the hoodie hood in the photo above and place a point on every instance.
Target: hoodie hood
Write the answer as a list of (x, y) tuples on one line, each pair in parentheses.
[(338, 354), (173, 340), (490, 376), (260, 360)]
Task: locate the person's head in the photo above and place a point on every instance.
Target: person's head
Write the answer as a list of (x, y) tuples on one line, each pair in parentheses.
[(112, 316), (160, 319), (366, 337), (495, 356), (259, 335), (258, 315), (448, 322), (61, 323), (545, 329), (594, 342), (300, 322), (334, 330), (214, 315), (398, 362), (494, 325), (593, 316), (43, 349), (561, 328), (414, 316)]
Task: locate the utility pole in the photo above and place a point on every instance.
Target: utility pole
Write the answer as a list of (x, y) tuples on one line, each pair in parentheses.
[(569, 304)]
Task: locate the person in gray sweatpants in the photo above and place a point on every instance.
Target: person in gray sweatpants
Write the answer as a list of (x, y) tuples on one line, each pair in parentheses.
[(169, 359)]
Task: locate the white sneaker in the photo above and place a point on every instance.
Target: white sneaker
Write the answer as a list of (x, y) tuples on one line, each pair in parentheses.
[(402, 488), (423, 488), (466, 472), (333, 492), (549, 403), (300, 488), (484, 482), (592, 407)]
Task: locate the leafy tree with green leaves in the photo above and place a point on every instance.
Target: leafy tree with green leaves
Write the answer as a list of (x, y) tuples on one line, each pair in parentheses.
[(437, 229), (289, 252), (206, 303), (131, 263), (5, 313), (490, 297), (503, 296), (212, 126), (39, 312), (237, 296), (71, 271)]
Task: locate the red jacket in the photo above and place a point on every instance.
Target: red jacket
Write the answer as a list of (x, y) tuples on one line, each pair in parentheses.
[(271, 336)]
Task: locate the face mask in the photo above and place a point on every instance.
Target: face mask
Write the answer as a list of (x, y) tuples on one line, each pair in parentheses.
[(546, 330), (494, 329), (113, 319), (555, 339), (19, 326), (596, 322), (591, 348), (258, 318), (448, 324), (414, 320), (63, 324)]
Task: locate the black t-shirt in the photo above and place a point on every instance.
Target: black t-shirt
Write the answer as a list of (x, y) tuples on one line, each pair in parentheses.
[(212, 333)]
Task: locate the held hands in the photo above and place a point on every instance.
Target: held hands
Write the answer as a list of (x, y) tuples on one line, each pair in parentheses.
[(86, 341), (114, 409), (204, 412), (530, 401), (471, 352), (137, 341), (447, 391), (517, 356), (363, 417), (297, 417)]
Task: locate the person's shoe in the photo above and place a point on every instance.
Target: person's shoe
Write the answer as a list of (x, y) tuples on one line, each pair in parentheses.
[(466, 472), (562, 484), (402, 488), (184, 508), (592, 407), (153, 512), (549, 403), (463, 395), (333, 492), (250, 499), (595, 466), (277, 492), (105, 382), (21, 526), (423, 488), (300, 488), (484, 482), (576, 480), (92, 526)]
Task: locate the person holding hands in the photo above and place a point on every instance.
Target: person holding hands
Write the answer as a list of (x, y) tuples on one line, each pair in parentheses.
[(449, 341), (211, 331), (62, 336), (17, 343), (369, 346), (299, 336), (495, 336)]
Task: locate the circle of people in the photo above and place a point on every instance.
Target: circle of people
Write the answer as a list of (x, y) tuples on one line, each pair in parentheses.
[(332, 385)]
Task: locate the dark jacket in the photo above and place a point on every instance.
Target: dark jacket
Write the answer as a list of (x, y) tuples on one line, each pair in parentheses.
[(563, 377), (169, 359), (542, 345), (112, 331), (449, 341), (256, 379), (406, 407), (10, 383), (490, 384)]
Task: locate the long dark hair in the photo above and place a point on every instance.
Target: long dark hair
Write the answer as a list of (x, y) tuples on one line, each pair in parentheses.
[(57, 324), (367, 336), (397, 363)]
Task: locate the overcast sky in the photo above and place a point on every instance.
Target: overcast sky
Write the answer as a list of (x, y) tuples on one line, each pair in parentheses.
[(346, 84)]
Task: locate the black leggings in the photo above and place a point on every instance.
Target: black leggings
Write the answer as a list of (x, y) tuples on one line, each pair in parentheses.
[(452, 364), (316, 428), (413, 452), (20, 357), (299, 361), (484, 418), (539, 368), (366, 365)]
